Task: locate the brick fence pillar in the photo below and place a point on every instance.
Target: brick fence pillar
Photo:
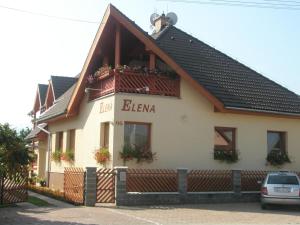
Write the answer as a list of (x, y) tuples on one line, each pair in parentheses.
[(90, 194), (121, 176), (236, 181), (182, 183)]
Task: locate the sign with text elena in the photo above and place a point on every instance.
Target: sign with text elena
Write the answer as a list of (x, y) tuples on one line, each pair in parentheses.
[(131, 106), (105, 107)]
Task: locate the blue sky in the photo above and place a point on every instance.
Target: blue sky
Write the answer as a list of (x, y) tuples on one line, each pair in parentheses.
[(33, 47)]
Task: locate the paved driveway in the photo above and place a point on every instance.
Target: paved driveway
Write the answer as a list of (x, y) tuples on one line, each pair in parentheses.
[(63, 214)]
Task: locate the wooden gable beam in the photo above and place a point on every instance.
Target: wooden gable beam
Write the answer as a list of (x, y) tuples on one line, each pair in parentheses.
[(118, 46), (50, 96), (80, 86)]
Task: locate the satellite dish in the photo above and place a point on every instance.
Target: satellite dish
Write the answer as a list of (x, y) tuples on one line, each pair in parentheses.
[(153, 17), (172, 18)]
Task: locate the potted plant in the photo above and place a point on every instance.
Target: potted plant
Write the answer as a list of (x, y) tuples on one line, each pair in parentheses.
[(102, 156), (141, 154), (128, 153), (56, 156), (42, 182), (103, 71), (277, 158), (68, 156), (32, 179)]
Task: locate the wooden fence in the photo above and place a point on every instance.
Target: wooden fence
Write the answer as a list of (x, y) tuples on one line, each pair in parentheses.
[(164, 180), (151, 180), (250, 179), (74, 185), (14, 189), (209, 180)]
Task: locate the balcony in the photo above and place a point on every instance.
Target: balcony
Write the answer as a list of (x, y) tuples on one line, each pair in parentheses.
[(108, 81)]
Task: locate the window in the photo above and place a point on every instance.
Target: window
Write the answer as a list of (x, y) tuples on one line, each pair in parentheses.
[(104, 135), (283, 179), (224, 139), (59, 141), (71, 140), (137, 135), (276, 141)]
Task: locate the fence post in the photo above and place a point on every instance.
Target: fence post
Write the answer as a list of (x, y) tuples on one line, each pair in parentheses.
[(90, 194), (236, 181), (121, 176), (182, 182)]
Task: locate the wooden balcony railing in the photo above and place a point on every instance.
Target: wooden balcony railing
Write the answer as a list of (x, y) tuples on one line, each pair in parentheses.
[(134, 82)]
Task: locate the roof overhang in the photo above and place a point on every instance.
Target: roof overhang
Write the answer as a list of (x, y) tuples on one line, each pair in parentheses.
[(36, 131)]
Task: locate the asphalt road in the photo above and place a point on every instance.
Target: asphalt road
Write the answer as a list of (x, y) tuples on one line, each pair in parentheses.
[(64, 214)]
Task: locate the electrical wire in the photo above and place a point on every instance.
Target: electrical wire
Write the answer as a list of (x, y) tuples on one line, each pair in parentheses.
[(241, 4), (49, 16)]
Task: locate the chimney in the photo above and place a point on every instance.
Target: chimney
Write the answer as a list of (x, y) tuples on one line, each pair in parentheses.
[(160, 23)]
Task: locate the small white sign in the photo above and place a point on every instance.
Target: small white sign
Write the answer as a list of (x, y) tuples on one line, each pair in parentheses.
[(122, 176)]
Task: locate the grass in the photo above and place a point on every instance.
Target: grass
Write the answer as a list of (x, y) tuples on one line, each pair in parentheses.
[(7, 205), (37, 201)]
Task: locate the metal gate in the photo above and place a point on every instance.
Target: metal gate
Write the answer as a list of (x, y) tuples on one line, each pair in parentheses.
[(106, 186)]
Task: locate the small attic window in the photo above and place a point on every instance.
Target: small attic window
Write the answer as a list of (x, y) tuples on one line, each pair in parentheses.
[(191, 41)]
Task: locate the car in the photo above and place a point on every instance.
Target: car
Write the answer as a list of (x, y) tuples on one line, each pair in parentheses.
[(280, 188)]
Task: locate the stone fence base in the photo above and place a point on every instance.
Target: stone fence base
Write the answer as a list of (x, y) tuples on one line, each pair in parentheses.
[(135, 199)]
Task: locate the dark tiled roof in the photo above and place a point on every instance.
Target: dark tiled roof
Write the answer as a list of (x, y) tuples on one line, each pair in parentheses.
[(33, 133), (59, 107), (234, 84), (61, 84), (43, 92)]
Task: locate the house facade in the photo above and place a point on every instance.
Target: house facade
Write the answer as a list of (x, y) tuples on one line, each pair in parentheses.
[(177, 103)]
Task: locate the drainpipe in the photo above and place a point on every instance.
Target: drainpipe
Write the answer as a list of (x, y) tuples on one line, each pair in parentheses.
[(48, 150)]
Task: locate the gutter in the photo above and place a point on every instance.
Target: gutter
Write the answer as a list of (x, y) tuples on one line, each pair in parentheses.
[(45, 119), (264, 111), (49, 152)]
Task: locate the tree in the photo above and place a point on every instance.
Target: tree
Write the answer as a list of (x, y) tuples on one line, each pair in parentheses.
[(14, 156)]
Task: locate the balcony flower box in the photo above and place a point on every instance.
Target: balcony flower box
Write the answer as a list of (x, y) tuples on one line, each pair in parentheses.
[(103, 72), (277, 158), (226, 155)]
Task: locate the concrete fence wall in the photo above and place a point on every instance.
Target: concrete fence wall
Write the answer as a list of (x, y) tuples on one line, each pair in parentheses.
[(181, 196)]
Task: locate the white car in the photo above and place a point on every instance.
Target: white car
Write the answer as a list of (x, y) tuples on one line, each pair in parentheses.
[(280, 188)]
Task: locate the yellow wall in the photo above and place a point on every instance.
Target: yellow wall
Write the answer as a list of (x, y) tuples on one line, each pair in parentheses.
[(87, 134), (41, 162), (182, 132)]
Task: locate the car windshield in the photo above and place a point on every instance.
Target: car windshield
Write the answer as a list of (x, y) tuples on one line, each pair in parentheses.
[(283, 179)]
